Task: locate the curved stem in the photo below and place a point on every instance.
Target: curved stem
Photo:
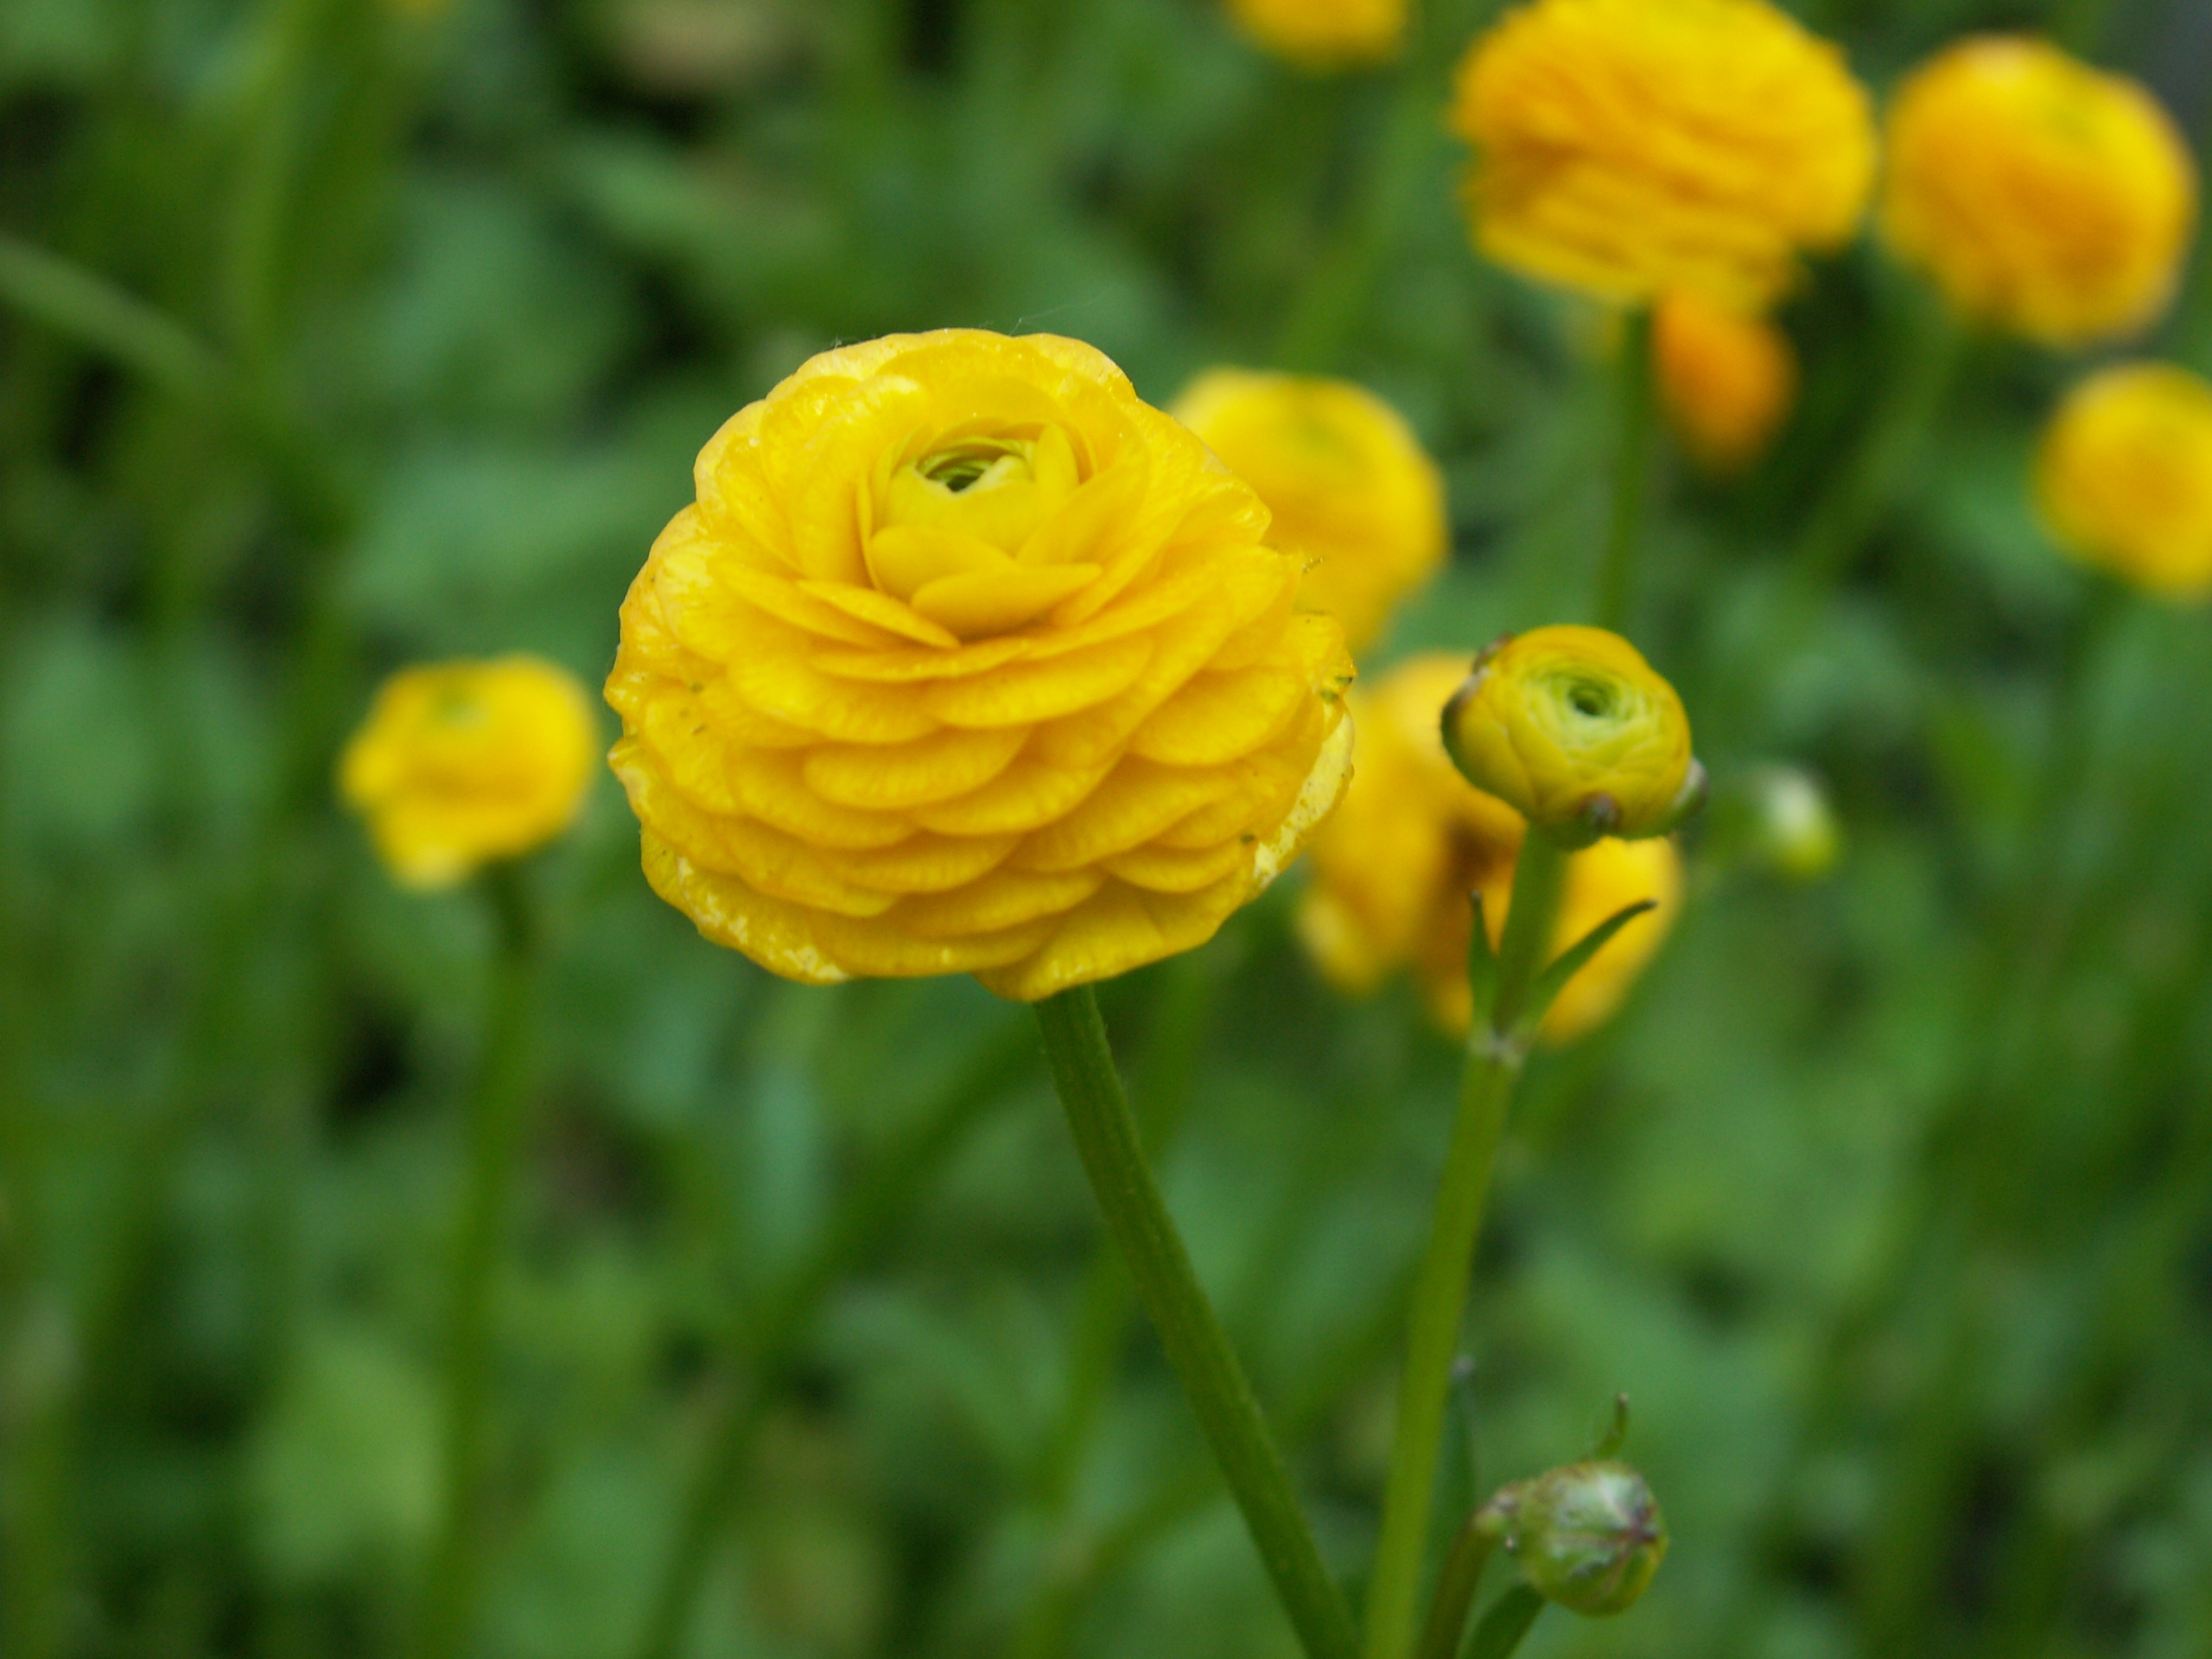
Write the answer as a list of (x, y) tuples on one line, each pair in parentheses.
[(495, 1122), (775, 1330), (1634, 417), (1106, 1137), (1494, 1057), (1462, 1575)]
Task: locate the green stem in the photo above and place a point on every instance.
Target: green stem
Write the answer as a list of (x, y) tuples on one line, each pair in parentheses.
[(495, 1124), (94, 312), (1106, 1137), (1456, 1585), (1495, 1053), (1634, 417), (1510, 1617), (776, 1330)]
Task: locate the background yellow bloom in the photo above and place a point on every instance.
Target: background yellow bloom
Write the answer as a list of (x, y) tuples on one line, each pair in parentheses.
[(1726, 378), (1351, 491), (1557, 722), (1394, 866), (2124, 476), (1626, 147), (967, 660), (1324, 33), (2042, 195), (460, 763)]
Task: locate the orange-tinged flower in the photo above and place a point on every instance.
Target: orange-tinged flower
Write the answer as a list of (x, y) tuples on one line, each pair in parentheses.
[(1324, 33), (1351, 490), (1628, 147), (2124, 477), (965, 660), (2042, 195), (1726, 378), (462, 763), (1393, 868), (1571, 727)]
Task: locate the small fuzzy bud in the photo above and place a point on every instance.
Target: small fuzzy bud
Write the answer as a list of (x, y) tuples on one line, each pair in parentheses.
[(1793, 826), (1588, 1535)]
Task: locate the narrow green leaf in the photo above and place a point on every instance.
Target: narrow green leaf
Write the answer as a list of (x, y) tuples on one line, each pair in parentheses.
[(1507, 1622), (1553, 980)]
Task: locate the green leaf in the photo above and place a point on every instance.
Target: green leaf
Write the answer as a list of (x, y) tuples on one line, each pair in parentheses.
[(1553, 980), (1507, 1622)]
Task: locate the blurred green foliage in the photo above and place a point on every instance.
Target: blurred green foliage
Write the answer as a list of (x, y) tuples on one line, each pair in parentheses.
[(340, 334)]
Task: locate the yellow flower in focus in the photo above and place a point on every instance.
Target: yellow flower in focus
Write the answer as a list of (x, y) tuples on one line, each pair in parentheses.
[(462, 763), (1324, 33), (2124, 477), (1628, 147), (965, 660), (1571, 727), (1394, 866), (2042, 195), (1726, 378), (1351, 490)]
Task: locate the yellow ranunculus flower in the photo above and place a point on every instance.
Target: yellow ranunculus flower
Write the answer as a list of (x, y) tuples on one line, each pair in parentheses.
[(2125, 477), (2043, 196), (1628, 147), (966, 661), (1726, 378), (1324, 33), (462, 763), (1571, 727), (1353, 492), (1393, 867)]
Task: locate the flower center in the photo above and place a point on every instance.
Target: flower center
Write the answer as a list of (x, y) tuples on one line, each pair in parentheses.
[(996, 487)]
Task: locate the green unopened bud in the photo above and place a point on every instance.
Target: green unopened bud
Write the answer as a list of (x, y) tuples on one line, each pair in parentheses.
[(1588, 1535), (1793, 826)]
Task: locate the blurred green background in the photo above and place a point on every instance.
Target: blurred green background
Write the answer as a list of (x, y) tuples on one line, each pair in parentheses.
[(335, 334)]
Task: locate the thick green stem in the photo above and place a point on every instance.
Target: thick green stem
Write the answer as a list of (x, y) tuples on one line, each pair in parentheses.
[(1495, 1051), (775, 1331), (1106, 1138), (495, 1124), (1634, 418)]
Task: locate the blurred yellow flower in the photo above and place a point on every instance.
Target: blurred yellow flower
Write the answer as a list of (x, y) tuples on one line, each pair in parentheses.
[(2042, 195), (1393, 867), (1324, 33), (1351, 490), (462, 763), (2124, 477), (1628, 147), (966, 661), (1726, 378), (1571, 727)]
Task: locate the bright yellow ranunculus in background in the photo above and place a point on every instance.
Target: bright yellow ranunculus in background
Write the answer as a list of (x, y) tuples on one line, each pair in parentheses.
[(1628, 147), (1393, 868), (1351, 490), (462, 763), (2042, 195), (1324, 33), (2124, 477), (966, 660), (1725, 379), (1571, 727)]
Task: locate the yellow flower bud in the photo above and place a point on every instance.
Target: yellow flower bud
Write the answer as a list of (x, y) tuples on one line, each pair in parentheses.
[(2042, 195), (460, 763), (1394, 866), (1588, 1536), (1324, 33), (1726, 378), (2124, 477), (967, 661), (1353, 492), (1628, 147), (1572, 729)]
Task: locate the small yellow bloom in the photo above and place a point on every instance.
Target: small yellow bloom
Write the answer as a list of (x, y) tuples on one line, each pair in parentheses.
[(967, 661), (2125, 477), (1393, 867), (1572, 729), (1324, 33), (460, 763), (2042, 195), (1353, 492), (1726, 378), (1628, 147)]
